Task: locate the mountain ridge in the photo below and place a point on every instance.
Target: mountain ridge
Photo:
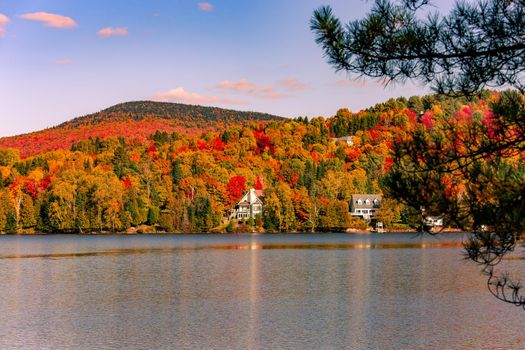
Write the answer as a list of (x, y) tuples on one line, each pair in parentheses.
[(141, 109), (134, 119)]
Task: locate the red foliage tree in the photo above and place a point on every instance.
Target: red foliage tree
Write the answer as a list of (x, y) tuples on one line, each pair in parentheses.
[(45, 183), (258, 184), (236, 187), (31, 188), (263, 141)]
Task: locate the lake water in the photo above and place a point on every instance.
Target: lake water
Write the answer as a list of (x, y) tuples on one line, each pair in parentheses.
[(323, 291)]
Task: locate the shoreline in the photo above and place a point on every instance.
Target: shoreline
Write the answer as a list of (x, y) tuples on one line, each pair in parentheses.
[(134, 233)]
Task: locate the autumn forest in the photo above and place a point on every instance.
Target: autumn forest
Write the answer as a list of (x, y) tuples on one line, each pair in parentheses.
[(161, 167)]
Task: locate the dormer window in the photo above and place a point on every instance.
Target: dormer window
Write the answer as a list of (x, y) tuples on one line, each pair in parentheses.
[(376, 202), (359, 202), (367, 202)]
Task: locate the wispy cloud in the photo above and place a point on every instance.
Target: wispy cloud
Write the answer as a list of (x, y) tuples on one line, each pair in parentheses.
[(50, 19), (205, 6), (243, 85), (348, 82), (64, 62), (361, 83), (292, 84), (181, 95), (110, 31), (4, 21)]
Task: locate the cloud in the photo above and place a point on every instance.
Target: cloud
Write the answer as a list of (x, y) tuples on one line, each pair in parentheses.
[(64, 62), (4, 21), (361, 83), (243, 85), (292, 84), (205, 6), (50, 19), (347, 82), (110, 31), (181, 95)]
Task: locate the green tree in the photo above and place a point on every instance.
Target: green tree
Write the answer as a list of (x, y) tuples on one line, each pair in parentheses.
[(153, 215), (176, 172), (230, 227), (272, 212), (10, 225)]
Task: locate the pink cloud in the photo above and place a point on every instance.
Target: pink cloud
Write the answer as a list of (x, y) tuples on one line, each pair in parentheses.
[(243, 85), (4, 21), (110, 31), (205, 6), (64, 62), (181, 95), (361, 83), (344, 82), (292, 84), (50, 19)]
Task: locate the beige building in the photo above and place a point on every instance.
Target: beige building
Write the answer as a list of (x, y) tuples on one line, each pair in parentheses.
[(365, 205), (250, 205)]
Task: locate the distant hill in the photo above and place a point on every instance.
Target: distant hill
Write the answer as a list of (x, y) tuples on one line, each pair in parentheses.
[(137, 119), (140, 110)]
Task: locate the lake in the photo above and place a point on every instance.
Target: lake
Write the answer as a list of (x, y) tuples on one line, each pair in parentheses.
[(319, 291)]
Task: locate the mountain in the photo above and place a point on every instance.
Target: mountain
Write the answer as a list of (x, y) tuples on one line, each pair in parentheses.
[(134, 120)]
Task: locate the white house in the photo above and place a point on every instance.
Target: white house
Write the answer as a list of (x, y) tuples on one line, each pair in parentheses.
[(365, 205), (348, 139), (250, 205), (433, 221)]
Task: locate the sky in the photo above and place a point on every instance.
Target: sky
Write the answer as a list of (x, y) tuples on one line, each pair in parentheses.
[(60, 59)]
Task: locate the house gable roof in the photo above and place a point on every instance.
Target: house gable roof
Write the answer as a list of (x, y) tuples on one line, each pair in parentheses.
[(360, 201), (252, 197)]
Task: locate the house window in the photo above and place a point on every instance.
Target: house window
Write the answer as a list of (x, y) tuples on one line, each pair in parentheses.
[(359, 202), (367, 201), (376, 202)]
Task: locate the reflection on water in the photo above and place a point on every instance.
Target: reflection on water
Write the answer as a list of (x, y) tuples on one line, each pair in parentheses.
[(251, 246), (248, 292)]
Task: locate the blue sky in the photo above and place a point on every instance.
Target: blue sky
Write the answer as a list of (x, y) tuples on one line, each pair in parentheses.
[(63, 58)]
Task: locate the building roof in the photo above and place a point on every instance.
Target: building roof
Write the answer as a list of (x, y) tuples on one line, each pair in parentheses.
[(251, 197), (344, 138), (360, 201)]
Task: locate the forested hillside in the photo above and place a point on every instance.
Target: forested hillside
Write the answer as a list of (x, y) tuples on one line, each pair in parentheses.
[(185, 182), (134, 120)]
